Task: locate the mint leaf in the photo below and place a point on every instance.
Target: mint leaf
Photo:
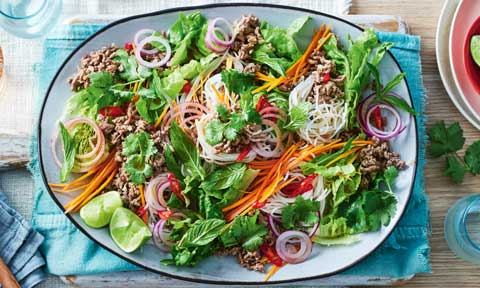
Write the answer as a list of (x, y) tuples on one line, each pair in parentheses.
[(297, 116), (202, 233), (186, 151), (223, 178)]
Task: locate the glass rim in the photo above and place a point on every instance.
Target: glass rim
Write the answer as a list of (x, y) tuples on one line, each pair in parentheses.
[(466, 212), (25, 17)]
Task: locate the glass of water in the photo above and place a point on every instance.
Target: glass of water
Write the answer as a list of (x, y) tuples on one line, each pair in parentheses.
[(462, 228), (29, 18)]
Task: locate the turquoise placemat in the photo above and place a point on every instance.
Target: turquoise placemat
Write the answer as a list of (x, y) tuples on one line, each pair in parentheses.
[(404, 253)]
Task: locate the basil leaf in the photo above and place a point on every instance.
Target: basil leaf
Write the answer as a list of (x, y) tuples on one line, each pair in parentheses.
[(223, 178), (400, 103), (68, 153), (186, 150)]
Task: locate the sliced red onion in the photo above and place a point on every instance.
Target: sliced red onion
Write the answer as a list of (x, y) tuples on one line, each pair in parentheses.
[(156, 236), (168, 52), (278, 147), (154, 193), (364, 111), (315, 227), (286, 246), (272, 225), (383, 135), (211, 32), (136, 39), (212, 46)]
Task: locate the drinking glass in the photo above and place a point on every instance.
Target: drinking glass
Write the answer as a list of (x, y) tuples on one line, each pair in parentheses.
[(462, 228), (29, 18)]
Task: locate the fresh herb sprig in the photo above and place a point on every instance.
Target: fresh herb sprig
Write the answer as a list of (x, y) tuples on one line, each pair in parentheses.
[(447, 141)]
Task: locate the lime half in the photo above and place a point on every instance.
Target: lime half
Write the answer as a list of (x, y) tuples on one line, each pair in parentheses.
[(99, 210), (128, 231), (475, 49)]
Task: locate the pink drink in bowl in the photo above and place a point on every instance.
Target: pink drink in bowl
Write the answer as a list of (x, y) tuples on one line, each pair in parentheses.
[(472, 68)]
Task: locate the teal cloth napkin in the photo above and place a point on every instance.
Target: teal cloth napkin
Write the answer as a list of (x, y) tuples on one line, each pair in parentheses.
[(406, 251)]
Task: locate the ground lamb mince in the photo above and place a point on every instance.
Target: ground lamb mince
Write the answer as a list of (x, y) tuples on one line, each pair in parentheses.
[(247, 37), (323, 90), (117, 128), (96, 61), (249, 260)]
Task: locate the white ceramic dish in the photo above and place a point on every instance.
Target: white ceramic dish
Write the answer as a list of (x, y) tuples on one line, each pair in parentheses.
[(442, 45), (324, 261)]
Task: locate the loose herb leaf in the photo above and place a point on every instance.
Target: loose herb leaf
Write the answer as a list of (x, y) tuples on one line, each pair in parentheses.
[(137, 169), (202, 233), (68, 153), (297, 116), (301, 210), (214, 132), (455, 169), (131, 70), (445, 140), (238, 82), (223, 178), (245, 231), (472, 157), (186, 151), (139, 143)]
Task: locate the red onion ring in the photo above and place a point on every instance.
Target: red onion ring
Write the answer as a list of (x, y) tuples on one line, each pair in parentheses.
[(168, 52), (385, 135), (271, 225), (156, 236), (278, 148), (286, 240), (210, 45), (363, 117), (315, 227), (154, 193), (211, 32), (136, 40)]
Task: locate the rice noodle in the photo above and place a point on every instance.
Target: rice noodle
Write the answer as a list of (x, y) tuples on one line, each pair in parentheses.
[(278, 201), (325, 120)]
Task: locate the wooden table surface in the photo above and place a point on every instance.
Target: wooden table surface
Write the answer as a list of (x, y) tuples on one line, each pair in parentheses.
[(421, 17)]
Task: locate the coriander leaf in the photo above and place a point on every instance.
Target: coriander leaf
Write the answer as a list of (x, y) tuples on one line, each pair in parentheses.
[(214, 132), (189, 256), (238, 82), (472, 157), (139, 143), (131, 70), (202, 233), (230, 133), (137, 169), (222, 111), (445, 140), (186, 151), (223, 178), (301, 210), (390, 174), (297, 116), (455, 169), (68, 153), (245, 231)]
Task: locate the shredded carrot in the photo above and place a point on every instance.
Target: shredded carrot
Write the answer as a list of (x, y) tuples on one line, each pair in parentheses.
[(344, 155), (270, 273), (220, 96), (142, 198), (160, 118)]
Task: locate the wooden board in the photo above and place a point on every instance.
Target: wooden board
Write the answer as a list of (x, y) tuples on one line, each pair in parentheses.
[(140, 279)]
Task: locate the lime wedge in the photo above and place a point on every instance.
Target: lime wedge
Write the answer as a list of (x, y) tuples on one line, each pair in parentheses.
[(128, 231), (99, 210), (475, 49)]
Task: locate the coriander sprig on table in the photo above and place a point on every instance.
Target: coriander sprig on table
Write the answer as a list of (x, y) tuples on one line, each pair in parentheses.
[(447, 141)]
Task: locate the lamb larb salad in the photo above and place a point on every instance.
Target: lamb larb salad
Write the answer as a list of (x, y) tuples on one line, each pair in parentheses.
[(219, 138)]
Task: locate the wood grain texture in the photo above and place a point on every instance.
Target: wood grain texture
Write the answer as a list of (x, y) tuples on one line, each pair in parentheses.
[(422, 17)]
